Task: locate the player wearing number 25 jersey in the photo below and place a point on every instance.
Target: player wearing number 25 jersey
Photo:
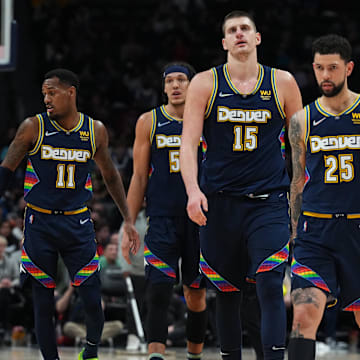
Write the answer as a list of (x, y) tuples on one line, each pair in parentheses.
[(325, 141)]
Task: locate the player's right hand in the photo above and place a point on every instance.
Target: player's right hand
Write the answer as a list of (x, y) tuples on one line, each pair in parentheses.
[(130, 241), (196, 206)]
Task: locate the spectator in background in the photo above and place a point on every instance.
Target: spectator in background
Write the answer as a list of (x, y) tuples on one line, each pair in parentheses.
[(137, 275), (9, 279)]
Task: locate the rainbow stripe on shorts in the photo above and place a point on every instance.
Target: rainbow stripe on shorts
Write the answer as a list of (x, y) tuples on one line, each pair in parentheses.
[(86, 271), (39, 275), (153, 260), (274, 260), (308, 274), (215, 278), (355, 306)]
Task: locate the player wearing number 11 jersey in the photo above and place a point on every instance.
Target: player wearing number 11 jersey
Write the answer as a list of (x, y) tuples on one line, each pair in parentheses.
[(60, 146)]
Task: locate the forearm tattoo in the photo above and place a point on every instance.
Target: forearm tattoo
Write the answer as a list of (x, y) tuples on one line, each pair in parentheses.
[(298, 163)]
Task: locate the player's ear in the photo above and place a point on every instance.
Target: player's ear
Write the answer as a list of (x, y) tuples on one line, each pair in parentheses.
[(72, 91), (349, 68)]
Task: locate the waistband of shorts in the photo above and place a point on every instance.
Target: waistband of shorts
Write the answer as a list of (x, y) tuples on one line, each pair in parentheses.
[(331, 216), (57, 212), (254, 195)]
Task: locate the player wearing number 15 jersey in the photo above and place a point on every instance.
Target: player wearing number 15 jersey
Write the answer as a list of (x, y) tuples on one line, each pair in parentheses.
[(241, 203), (325, 200), (61, 145)]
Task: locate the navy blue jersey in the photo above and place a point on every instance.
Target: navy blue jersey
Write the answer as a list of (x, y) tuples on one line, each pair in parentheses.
[(58, 169), (165, 195), (245, 137), (332, 160)]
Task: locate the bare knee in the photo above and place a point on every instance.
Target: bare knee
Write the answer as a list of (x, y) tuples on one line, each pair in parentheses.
[(195, 299), (308, 305), (357, 317)]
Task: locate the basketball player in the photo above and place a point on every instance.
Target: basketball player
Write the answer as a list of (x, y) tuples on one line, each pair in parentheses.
[(242, 107), (61, 145), (171, 235), (325, 141)]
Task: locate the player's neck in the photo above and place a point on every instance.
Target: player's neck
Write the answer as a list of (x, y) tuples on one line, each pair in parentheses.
[(176, 111), (244, 67), (340, 102), (69, 121)]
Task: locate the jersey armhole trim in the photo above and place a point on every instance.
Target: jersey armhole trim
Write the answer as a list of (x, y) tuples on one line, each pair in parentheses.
[(276, 96), (153, 125), (39, 141), (211, 101), (92, 136)]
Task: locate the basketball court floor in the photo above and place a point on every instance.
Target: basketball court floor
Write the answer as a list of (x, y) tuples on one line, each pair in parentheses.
[(70, 353)]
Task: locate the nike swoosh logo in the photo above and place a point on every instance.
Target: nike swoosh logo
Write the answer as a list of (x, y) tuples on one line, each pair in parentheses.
[(224, 95), (163, 124), (82, 222), (22, 270), (274, 348), (315, 123), (224, 354), (51, 133)]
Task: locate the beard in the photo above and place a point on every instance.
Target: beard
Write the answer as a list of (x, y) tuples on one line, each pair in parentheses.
[(335, 90)]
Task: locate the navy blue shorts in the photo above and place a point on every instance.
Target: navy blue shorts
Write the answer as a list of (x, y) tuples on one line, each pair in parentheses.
[(168, 242), (47, 236), (243, 237), (327, 256)]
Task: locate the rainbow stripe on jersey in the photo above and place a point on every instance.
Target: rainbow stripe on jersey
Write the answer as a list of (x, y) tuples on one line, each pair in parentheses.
[(31, 179)]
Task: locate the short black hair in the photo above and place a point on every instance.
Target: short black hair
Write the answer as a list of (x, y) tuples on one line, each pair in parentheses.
[(65, 76), (237, 14), (332, 44)]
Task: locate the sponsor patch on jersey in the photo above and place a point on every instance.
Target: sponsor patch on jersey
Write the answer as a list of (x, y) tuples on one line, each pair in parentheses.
[(265, 95), (355, 117), (84, 135)]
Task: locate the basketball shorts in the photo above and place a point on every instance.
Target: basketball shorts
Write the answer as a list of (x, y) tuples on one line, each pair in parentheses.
[(326, 256), (172, 251), (46, 236), (243, 237)]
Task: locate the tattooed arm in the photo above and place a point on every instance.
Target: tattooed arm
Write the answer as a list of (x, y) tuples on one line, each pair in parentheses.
[(298, 149)]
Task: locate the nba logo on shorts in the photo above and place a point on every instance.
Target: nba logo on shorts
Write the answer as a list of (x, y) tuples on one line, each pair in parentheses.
[(305, 226), (31, 219)]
